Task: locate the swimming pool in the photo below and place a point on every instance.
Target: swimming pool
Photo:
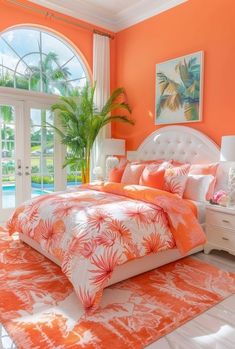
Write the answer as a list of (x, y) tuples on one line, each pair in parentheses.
[(8, 194)]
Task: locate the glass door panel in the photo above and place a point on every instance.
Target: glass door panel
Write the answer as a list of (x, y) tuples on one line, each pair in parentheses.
[(73, 176), (42, 152), (11, 151), (28, 144), (8, 185)]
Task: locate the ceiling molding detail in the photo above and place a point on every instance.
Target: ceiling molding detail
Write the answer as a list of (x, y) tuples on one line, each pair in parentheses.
[(112, 17)]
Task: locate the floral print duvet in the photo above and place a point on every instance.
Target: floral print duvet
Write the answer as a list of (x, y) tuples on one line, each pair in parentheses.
[(94, 228)]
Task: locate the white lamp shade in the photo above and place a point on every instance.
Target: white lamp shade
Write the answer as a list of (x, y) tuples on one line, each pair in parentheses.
[(113, 146), (227, 151)]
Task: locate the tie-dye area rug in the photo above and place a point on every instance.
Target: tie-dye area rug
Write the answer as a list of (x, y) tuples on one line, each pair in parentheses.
[(40, 310)]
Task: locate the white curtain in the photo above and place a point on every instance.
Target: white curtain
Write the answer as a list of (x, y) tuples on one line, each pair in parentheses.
[(101, 74)]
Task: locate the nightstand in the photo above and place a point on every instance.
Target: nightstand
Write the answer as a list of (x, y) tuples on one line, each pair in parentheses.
[(220, 229)]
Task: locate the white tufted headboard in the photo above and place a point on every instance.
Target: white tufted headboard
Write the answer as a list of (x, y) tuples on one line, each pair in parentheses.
[(180, 143)]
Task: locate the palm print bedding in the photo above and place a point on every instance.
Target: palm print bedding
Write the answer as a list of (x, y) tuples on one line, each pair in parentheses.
[(91, 229)]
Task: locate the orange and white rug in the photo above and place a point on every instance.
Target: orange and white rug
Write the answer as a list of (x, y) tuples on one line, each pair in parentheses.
[(40, 310)]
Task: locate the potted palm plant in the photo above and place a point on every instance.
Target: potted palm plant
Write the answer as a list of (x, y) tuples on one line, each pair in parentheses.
[(81, 123)]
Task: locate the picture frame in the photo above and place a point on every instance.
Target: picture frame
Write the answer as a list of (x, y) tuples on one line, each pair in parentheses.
[(179, 89)]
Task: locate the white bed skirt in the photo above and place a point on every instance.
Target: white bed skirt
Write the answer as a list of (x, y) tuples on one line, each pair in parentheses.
[(131, 268)]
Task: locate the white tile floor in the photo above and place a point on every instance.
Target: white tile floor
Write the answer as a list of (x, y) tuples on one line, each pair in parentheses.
[(214, 329)]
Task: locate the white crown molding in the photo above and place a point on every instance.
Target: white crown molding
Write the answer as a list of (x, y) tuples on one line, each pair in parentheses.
[(87, 12), (143, 10), (115, 22)]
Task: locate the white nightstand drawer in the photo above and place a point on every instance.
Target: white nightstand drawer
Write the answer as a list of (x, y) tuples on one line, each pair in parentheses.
[(220, 219), (220, 237)]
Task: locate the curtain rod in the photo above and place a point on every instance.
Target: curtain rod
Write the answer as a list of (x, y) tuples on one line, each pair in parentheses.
[(50, 15)]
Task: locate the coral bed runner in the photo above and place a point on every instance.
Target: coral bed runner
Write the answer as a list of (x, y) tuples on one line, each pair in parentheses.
[(40, 310)]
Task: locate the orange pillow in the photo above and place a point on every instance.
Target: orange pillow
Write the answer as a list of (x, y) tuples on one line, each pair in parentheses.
[(115, 175), (153, 176), (132, 173), (204, 169), (148, 162)]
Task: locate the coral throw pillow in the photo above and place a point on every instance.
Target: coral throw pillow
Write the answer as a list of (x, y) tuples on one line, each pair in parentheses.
[(204, 169), (175, 179), (148, 162), (153, 176), (132, 173), (115, 175)]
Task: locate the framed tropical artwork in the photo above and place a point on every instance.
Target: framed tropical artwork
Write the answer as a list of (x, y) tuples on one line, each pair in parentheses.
[(179, 89)]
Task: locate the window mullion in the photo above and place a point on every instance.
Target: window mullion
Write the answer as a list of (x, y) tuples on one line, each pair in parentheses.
[(41, 73)]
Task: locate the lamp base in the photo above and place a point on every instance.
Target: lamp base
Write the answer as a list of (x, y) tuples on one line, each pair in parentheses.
[(231, 187), (111, 162)]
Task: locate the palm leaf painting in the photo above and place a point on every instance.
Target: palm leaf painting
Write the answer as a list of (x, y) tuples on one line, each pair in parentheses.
[(179, 89)]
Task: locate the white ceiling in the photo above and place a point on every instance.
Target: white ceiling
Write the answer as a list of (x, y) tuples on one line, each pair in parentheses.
[(114, 15)]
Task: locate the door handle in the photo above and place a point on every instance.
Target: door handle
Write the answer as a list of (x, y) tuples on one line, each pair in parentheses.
[(27, 171), (19, 164)]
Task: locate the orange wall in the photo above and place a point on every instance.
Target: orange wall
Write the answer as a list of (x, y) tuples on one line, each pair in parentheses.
[(207, 25), (11, 15)]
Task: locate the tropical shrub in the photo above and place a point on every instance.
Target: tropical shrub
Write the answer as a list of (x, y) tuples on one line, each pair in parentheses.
[(81, 123), (44, 179), (74, 178)]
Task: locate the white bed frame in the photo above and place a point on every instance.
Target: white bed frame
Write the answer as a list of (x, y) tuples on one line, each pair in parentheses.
[(182, 144)]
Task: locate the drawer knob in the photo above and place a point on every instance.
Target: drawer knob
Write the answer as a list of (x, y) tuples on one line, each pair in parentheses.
[(225, 221), (226, 239)]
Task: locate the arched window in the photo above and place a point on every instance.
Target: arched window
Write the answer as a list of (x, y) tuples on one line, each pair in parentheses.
[(33, 59)]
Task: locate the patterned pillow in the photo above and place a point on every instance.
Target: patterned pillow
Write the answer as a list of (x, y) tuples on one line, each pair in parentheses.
[(175, 179)]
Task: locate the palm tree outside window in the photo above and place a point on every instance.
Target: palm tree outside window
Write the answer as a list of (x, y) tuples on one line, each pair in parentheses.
[(36, 60)]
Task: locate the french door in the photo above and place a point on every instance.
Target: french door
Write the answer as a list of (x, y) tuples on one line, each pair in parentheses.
[(11, 155), (28, 167)]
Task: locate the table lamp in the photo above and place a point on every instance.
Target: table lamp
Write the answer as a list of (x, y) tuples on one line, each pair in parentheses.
[(112, 147), (227, 154)]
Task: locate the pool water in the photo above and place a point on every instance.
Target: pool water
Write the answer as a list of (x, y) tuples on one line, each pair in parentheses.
[(8, 195)]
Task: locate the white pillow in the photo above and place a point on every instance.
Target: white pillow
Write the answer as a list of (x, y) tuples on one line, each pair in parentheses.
[(197, 187)]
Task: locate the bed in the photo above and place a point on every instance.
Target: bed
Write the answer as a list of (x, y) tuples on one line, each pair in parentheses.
[(181, 144)]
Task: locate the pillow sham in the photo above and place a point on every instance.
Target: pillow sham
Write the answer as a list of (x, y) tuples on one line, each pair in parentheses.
[(199, 187), (148, 162), (132, 173), (175, 179), (115, 175), (177, 163), (204, 169), (153, 175)]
